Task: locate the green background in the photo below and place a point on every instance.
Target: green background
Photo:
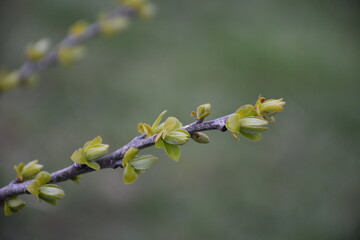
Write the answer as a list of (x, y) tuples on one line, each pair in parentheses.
[(300, 182)]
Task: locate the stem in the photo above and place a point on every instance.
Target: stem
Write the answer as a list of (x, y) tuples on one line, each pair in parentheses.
[(112, 160)]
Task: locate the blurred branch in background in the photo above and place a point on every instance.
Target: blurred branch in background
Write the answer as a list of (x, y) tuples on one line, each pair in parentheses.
[(70, 49)]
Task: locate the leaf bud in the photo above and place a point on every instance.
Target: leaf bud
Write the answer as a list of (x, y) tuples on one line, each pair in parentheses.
[(176, 137), (200, 137), (8, 80), (78, 28), (67, 55), (13, 205), (96, 152), (50, 193), (253, 125), (270, 107), (30, 170), (38, 50)]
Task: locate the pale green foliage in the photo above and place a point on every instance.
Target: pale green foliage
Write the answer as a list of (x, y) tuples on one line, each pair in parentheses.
[(13, 205), (38, 50), (134, 165), (91, 151), (171, 136), (43, 191), (28, 171), (250, 121), (202, 112)]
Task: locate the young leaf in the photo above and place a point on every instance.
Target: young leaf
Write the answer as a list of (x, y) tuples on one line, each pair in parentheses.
[(130, 175), (171, 124), (33, 188), (93, 165), (43, 178), (173, 151), (130, 154), (252, 137), (158, 120), (246, 111), (232, 123)]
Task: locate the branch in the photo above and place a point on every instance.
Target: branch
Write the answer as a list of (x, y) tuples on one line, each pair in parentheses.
[(112, 160), (52, 58)]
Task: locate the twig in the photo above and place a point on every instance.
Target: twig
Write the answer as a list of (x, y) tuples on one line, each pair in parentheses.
[(112, 160), (52, 58)]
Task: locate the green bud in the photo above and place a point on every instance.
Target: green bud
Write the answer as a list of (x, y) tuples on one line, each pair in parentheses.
[(38, 50), (50, 193), (78, 28), (96, 152), (176, 137), (13, 205), (31, 169), (253, 125), (200, 137), (110, 26), (270, 107), (143, 162), (8, 80), (202, 111), (68, 55)]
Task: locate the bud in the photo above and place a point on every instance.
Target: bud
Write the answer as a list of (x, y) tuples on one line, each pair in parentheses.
[(270, 107), (8, 80), (96, 152), (202, 111), (252, 125), (176, 137), (13, 205), (38, 50), (50, 193), (78, 28), (30, 170), (110, 26), (200, 137), (171, 124), (143, 162), (68, 55)]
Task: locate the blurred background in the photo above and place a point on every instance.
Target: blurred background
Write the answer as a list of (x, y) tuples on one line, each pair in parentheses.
[(301, 181)]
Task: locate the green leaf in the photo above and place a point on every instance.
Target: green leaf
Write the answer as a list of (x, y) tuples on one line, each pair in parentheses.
[(78, 156), (7, 209), (145, 128), (171, 124), (173, 151), (159, 143), (232, 123), (130, 175), (130, 154), (18, 170), (158, 120), (246, 111), (33, 188), (203, 111), (92, 143), (252, 137), (143, 162), (43, 178), (93, 165)]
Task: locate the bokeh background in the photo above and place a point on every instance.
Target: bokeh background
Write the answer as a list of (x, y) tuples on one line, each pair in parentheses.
[(301, 181)]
